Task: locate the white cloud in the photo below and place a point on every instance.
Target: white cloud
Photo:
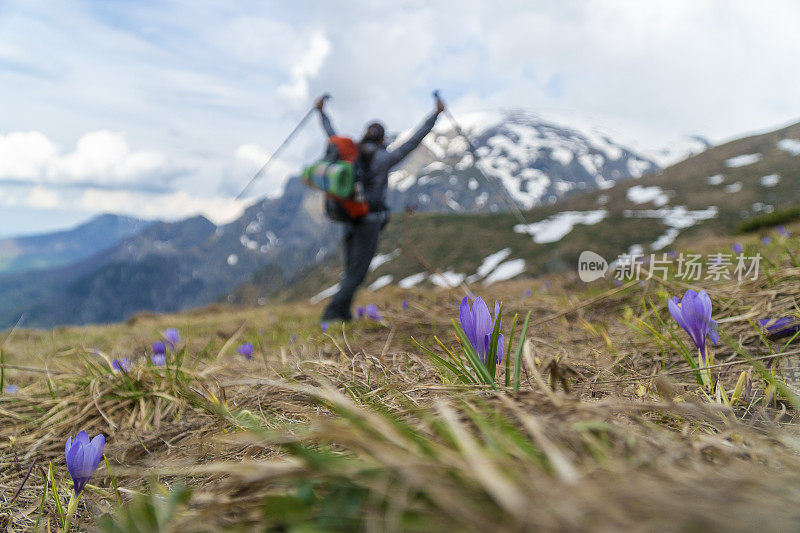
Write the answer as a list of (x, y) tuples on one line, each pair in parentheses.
[(249, 158), (41, 198), (101, 157), (306, 68), (105, 157), (169, 206), (25, 156), (197, 88)]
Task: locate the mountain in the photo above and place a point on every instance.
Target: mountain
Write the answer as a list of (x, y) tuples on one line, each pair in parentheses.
[(173, 266), (285, 247), (708, 195), (522, 158), (39, 252), (170, 266)]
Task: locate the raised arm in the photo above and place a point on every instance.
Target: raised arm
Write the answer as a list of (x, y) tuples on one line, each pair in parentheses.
[(323, 117), (326, 123), (397, 155)]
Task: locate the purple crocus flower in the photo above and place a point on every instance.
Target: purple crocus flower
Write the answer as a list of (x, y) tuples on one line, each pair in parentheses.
[(246, 350), (360, 312), (11, 389), (617, 282), (737, 248), (323, 327), (372, 313), (159, 348), (83, 456), (171, 337), (158, 359), (529, 292), (405, 305), (765, 240), (780, 327), (693, 314), (478, 325), (293, 339), (121, 365), (783, 231)]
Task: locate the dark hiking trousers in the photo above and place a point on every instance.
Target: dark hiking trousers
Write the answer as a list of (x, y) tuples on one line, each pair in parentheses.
[(360, 244)]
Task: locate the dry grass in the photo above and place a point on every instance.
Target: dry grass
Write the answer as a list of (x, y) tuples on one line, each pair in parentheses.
[(358, 430)]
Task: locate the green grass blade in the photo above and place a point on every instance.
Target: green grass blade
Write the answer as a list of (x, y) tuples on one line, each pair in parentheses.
[(508, 349), (464, 378), (518, 357), (457, 361), (474, 361), (491, 357), (53, 486)]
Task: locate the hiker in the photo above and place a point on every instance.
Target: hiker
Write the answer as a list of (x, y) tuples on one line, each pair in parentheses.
[(361, 236)]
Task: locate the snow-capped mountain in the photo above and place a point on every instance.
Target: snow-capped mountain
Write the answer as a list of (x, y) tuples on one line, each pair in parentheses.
[(522, 157)]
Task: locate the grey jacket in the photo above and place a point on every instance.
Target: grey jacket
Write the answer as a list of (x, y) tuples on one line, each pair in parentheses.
[(380, 160)]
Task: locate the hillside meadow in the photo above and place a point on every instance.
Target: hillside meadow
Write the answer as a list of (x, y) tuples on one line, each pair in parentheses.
[(597, 417)]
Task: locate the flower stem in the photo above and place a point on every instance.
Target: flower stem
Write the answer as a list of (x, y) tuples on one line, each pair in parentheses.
[(705, 373), (71, 508)]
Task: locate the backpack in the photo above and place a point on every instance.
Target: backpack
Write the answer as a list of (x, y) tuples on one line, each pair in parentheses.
[(340, 175)]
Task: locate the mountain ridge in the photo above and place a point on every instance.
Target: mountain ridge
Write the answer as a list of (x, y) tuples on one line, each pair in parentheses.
[(47, 250)]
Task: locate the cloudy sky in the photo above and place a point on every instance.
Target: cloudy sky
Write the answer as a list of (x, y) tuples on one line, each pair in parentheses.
[(164, 109)]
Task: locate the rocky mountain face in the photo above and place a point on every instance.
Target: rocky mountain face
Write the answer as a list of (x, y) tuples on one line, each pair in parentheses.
[(521, 158), (170, 266)]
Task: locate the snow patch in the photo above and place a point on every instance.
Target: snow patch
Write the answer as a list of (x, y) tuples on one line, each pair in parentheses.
[(666, 239), (436, 165), (412, 281), (638, 167), (770, 181), (380, 259), (562, 155), (505, 271), (716, 179), (742, 160), (733, 187), (554, 228), (642, 195), (488, 264), (233, 259), (401, 180), (678, 217), (381, 282), (790, 145), (447, 279), (327, 293)]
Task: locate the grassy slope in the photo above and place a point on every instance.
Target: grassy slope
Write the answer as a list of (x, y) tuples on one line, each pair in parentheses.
[(360, 430)]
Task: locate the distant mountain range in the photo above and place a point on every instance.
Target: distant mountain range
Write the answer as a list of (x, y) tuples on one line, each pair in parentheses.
[(39, 252), (170, 266), (173, 266)]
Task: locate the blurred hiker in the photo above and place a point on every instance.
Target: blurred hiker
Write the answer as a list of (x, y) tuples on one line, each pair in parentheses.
[(361, 236)]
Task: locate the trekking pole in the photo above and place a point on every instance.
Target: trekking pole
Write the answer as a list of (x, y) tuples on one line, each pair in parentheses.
[(297, 128), (514, 207)]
